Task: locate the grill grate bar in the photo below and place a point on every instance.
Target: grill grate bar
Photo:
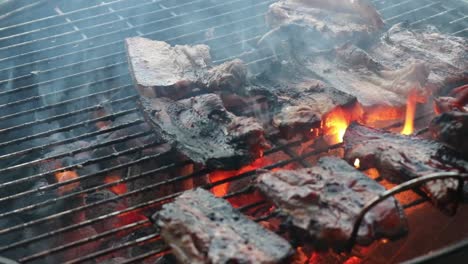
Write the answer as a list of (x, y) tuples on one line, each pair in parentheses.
[(86, 191), (21, 9), (153, 253), (86, 18), (99, 25), (61, 15), (397, 5), (461, 31), (191, 23), (69, 127), (69, 114), (84, 241), (104, 252), (73, 139), (66, 102), (412, 11), (35, 85), (84, 177), (67, 90), (433, 16), (76, 151)]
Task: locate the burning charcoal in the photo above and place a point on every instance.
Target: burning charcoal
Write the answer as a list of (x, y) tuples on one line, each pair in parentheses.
[(352, 70), (451, 128), (203, 130), (201, 228), (446, 56), (400, 158), (160, 70), (299, 102), (323, 23), (322, 204)]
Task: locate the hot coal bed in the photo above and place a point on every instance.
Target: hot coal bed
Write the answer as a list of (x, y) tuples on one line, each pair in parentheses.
[(84, 177)]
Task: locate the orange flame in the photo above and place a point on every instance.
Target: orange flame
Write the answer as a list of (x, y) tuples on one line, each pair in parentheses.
[(411, 103), (357, 163), (337, 121), (66, 176), (117, 189)]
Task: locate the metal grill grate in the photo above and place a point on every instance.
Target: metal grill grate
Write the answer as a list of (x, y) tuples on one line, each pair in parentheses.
[(64, 61)]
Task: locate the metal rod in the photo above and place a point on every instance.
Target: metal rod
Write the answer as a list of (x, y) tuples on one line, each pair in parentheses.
[(60, 15), (131, 98), (81, 178), (73, 139), (398, 189), (154, 253), (83, 241), (412, 11), (147, 24), (108, 23), (79, 150), (69, 127), (119, 247), (66, 102), (67, 90), (89, 190), (87, 222), (61, 78), (86, 18)]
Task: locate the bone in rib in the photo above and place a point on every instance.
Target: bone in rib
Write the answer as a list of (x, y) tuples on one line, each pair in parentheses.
[(400, 158), (323, 202), (201, 228)]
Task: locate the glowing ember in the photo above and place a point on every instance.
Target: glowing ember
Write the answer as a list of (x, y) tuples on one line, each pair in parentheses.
[(67, 176), (357, 163), (216, 176), (337, 121), (411, 103), (373, 173), (117, 189)]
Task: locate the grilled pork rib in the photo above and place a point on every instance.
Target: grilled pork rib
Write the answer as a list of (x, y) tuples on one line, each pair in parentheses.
[(201, 228), (323, 202), (203, 130), (162, 70), (400, 158)]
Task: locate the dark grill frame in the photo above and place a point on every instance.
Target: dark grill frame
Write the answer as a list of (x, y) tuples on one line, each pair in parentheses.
[(99, 65)]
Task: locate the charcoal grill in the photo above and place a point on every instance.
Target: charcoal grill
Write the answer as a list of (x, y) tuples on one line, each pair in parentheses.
[(61, 62)]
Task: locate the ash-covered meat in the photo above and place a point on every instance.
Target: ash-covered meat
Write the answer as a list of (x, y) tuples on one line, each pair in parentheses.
[(400, 158), (353, 70), (451, 128), (323, 202), (201, 228), (297, 100), (323, 23), (162, 70), (446, 56), (203, 130)]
